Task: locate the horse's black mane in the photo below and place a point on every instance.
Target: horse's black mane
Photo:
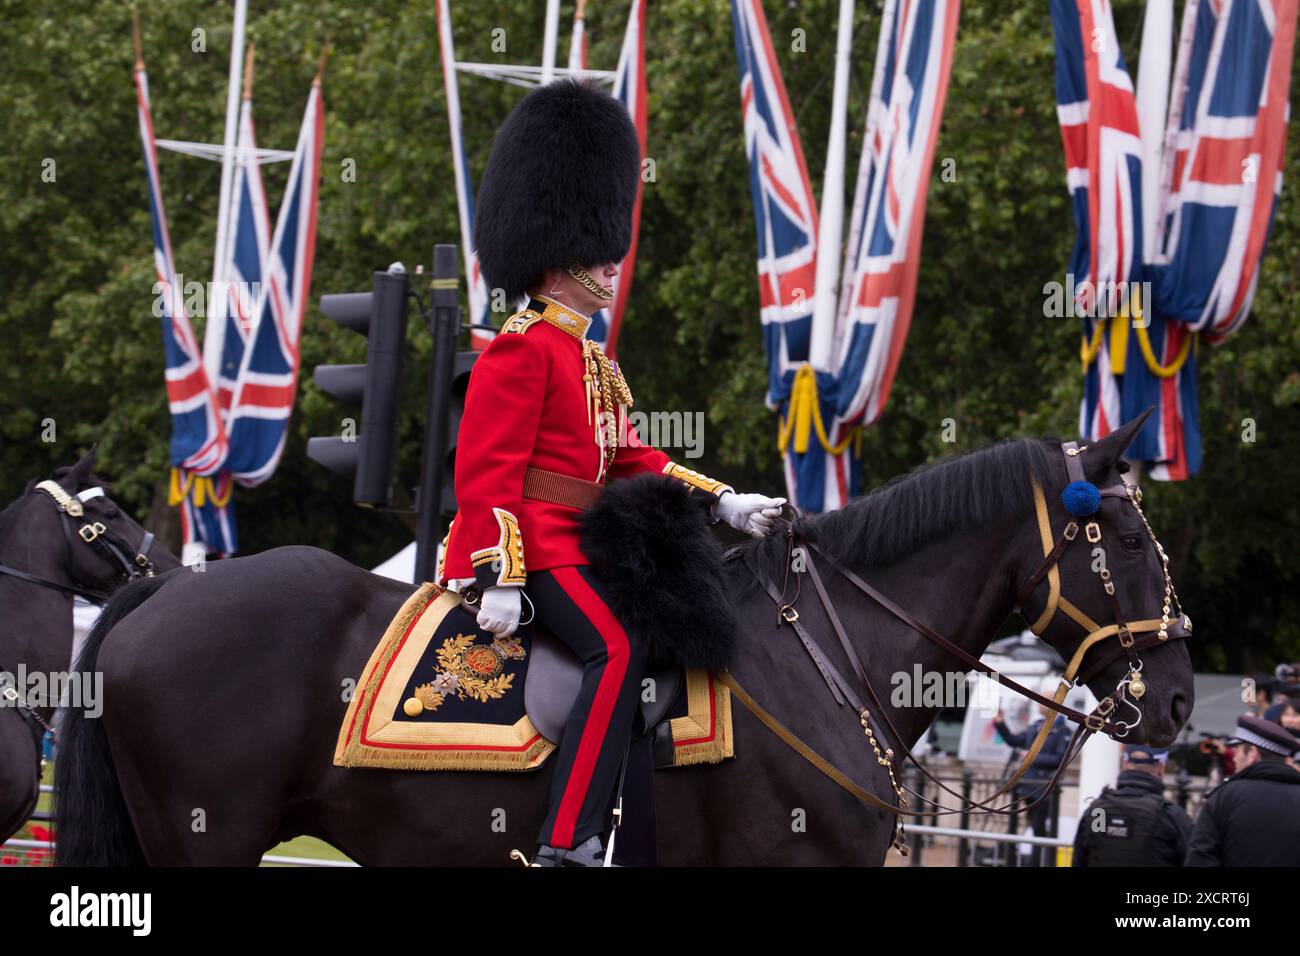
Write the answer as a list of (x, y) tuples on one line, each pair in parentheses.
[(931, 502)]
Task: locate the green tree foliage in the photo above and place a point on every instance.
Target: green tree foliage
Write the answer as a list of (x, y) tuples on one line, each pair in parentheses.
[(82, 346)]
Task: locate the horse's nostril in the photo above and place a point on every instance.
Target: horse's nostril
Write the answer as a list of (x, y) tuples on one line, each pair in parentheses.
[(1178, 709)]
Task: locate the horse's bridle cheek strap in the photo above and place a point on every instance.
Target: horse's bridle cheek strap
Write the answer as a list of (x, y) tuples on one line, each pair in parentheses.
[(1053, 572)]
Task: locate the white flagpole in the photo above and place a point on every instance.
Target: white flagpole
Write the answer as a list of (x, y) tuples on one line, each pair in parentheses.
[(549, 43), (1152, 98), (860, 232), (831, 227), (477, 293), (1177, 101), (214, 332)]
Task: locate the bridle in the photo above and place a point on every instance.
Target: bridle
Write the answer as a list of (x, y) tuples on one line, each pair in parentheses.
[(1155, 631), (133, 562), (1085, 502), (31, 717)]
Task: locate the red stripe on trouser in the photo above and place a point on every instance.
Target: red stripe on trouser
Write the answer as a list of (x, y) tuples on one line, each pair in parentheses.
[(594, 731)]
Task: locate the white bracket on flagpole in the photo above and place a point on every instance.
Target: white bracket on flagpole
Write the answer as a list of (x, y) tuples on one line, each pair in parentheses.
[(217, 151), (528, 76)]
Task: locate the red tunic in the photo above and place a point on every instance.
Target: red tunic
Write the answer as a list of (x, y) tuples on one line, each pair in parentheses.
[(528, 405)]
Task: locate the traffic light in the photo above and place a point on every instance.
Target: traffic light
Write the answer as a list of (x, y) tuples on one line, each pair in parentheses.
[(375, 386), (459, 386)]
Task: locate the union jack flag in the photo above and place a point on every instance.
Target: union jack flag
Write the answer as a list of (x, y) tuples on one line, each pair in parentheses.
[(267, 381), (1103, 159), (249, 240), (878, 289), (879, 279), (198, 442), (237, 432), (1222, 161), (1227, 153), (785, 215)]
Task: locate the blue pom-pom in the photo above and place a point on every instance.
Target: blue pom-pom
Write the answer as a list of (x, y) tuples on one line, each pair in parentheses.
[(1081, 498)]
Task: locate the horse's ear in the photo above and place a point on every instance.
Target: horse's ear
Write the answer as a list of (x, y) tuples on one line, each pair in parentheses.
[(80, 473), (1103, 454)]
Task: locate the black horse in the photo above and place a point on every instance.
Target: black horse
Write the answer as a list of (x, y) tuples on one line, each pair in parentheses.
[(224, 690), (40, 541)]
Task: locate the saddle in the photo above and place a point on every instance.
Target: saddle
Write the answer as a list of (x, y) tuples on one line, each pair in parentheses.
[(439, 694), (555, 676)]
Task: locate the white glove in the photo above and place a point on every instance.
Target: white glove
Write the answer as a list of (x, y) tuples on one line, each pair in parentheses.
[(752, 514), (498, 610)]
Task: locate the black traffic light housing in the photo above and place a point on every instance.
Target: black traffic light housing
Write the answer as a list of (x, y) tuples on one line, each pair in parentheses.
[(464, 364), (376, 386)]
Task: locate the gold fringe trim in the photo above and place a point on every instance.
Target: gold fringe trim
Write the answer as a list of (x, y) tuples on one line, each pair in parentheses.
[(695, 724), (394, 759), (347, 752)]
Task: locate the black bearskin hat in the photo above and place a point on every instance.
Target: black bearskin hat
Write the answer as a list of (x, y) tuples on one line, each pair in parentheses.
[(559, 187)]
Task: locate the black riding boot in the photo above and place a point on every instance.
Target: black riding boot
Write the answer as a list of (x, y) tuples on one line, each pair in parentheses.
[(588, 853)]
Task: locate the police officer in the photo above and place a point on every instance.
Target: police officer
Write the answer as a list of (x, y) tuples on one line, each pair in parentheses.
[(1132, 824), (1040, 772), (1252, 818)]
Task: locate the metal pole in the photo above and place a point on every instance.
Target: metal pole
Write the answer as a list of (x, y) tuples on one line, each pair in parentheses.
[(963, 845), (913, 780), (217, 305), (831, 224), (549, 40), (1152, 99), (444, 323), (1053, 818), (1013, 826)]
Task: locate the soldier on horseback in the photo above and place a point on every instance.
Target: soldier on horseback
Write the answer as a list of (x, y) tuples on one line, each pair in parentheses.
[(545, 428)]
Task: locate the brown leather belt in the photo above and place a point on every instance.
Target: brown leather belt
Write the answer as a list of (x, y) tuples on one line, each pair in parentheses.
[(558, 489)]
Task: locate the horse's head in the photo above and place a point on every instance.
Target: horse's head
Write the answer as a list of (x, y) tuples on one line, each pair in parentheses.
[(1102, 595), (104, 545)]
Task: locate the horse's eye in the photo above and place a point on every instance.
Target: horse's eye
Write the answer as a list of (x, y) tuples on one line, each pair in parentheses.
[(110, 512), (1131, 542)]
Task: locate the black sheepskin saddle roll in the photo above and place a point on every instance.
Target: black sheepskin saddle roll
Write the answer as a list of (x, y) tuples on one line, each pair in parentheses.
[(649, 541)]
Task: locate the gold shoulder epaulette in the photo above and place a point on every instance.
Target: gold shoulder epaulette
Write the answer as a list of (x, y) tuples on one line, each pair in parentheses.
[(522, 321)]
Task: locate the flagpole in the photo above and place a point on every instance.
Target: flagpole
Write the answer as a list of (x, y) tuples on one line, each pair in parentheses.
[(831, 226), (135, 36), (1152, 98), (248, 72), (1177, 100), (860, 231), (214, 332), (549, 42), (320, 66)]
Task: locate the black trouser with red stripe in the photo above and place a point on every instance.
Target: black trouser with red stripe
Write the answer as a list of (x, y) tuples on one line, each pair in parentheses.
[(572, 605)]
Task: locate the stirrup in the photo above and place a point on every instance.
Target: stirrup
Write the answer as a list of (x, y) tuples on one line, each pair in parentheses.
[(588, 853)]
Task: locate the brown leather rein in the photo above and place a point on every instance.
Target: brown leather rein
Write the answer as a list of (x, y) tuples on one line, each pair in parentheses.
[(1131, 688)]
